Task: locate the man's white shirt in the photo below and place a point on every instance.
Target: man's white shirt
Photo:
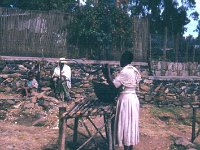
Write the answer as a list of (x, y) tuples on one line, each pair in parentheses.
[(66, 71)]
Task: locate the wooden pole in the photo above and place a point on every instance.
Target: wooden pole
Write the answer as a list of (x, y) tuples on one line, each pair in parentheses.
[(96, 128), (112, 129), (62, 129), (110, 134), (149, 59), (89, 133), (186, 51), (177, 46), (193, 123), (194, 53), (75, 130), (88, 140), (165, 45), (106, 127)]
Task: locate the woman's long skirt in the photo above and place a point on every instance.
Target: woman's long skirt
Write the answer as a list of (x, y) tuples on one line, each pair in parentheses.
[(126, 130)]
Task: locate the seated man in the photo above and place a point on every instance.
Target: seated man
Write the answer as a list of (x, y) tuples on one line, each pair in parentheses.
[(31, 84), (63, 73)]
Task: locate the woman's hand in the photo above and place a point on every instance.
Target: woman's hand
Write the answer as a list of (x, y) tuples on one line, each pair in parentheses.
[(107, 73), (106, 70), (108, 67)]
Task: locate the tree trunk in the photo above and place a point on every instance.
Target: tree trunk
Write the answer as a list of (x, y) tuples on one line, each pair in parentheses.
[(165, 45), (177, 46)]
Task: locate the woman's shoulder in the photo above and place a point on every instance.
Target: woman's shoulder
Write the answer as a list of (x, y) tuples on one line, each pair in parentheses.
[(130, 68)]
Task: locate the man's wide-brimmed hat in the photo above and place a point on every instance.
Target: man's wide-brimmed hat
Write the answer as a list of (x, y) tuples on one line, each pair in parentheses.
[(63, 60)]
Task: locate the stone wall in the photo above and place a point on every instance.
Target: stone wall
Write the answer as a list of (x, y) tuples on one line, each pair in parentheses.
[(177, 91), (159, 90), (162, 68)]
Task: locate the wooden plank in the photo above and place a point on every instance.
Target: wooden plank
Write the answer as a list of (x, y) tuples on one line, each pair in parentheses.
[(71, 61)]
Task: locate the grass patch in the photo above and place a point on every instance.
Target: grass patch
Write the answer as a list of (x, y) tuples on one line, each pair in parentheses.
[(178, 114)]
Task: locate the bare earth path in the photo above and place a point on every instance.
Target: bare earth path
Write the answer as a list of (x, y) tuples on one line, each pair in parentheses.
[(155, 134)]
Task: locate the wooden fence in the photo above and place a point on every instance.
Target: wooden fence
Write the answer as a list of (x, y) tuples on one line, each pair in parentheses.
[(43, 34), (141, 39)]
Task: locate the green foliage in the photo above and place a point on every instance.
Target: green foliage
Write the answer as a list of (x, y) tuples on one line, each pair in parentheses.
[(165, 13), (101, 27), (161, 13), (62, 5), (198, 28)]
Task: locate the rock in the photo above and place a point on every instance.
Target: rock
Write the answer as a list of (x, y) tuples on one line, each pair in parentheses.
[(75, 80), (39, 122), (15, 75), (157, 89), (17, 106), (186, 106), (22, 68), (166, 90), (51, 99), (87, 85), (4, 76), (144, 74), (157, 73), (79, 91), (10, 102), (184, 142), (7, 89), (176, 91), (8, 80), (148, 98), (45, 88), (28, 105), (159, 98), (144, 87), (147, 81), (10, 147)]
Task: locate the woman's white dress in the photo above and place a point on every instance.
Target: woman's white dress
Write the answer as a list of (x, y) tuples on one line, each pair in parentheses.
[(126, 130)]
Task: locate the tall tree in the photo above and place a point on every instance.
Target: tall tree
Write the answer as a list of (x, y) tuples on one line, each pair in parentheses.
[(169, 13), (198, 29), (100, 28)]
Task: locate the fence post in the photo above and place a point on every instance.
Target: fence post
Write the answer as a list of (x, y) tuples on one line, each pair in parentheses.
[(193, 123), (62, 129)]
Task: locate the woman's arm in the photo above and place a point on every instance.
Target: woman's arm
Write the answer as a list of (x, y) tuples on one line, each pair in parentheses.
[(107, 75)]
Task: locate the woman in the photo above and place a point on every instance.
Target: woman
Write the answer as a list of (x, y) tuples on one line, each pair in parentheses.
[(126, 130)]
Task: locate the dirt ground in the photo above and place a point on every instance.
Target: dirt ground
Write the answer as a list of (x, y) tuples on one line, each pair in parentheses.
[(158, 129)]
